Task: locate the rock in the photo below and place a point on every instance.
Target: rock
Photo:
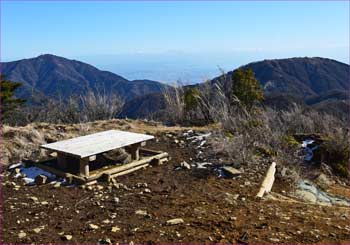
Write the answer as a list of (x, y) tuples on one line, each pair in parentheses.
[(105, 241), (274, 239), (141, 212), (57, 185), (99, 187), (174, 221), (67, 237), (176, 141), (22, 234), (17, 170), (37, 230), (40, 179), (343, 216), (115, 229), (141, 185), (202, 165), (284, 171), (116, 200), (306, 195), (33, 198), (147, 190), (44, 203), (231, 198), (231, 172), (93, 227), (106, 221), (185, 165), (323, 181)]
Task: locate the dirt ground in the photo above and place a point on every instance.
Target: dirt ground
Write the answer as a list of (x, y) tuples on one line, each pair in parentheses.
[(214, 210)]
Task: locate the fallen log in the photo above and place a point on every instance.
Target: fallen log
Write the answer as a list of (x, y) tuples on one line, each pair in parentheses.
[(266, 185)]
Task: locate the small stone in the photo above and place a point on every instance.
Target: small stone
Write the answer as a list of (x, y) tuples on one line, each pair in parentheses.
[(231, 172), (116, 200), (140, 185), (44, 203), (93, 227), (141, 212), (40, 179), (106, 221), (33, 198), (22, 234), (176, 141), (274, 239), (175, 221), (99, 187), (115, 229), (37, 230), (147, 190), (105, 241), (185, 165), (17, 170), (67, 237), (57, 185)]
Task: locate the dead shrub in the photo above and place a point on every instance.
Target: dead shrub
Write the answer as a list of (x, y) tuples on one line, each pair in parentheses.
[(94, 105)]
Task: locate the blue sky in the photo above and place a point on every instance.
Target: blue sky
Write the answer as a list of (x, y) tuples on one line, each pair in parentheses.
[(98, 31)]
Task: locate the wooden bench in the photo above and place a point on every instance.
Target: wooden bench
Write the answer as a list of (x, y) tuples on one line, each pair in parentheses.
[(83, 150)]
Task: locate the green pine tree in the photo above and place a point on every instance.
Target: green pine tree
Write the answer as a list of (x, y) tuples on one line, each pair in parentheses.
[(246, 88), (191, 98), (8, 101)]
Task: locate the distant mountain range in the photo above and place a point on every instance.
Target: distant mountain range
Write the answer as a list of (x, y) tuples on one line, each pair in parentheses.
[(318, 82), (54, 76), (301, 77)]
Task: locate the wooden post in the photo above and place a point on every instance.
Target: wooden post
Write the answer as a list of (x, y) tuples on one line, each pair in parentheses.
[(266, 185), (61, 160), (84, 167), (134, 151)]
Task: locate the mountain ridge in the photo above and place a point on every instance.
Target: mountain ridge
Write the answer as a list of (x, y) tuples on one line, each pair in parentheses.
[(55, 76), (308, 80)]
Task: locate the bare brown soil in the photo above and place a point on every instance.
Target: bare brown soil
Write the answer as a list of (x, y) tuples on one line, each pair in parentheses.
[(198, 196)]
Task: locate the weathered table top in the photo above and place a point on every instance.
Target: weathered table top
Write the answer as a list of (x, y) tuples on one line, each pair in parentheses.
[(93, 144)]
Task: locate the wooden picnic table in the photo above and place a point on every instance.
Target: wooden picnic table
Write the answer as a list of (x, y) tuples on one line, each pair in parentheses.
[(85, 148)]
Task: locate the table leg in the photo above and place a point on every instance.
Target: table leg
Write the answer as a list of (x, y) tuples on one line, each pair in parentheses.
[(84, 167), (134, 151), (61, 160)]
